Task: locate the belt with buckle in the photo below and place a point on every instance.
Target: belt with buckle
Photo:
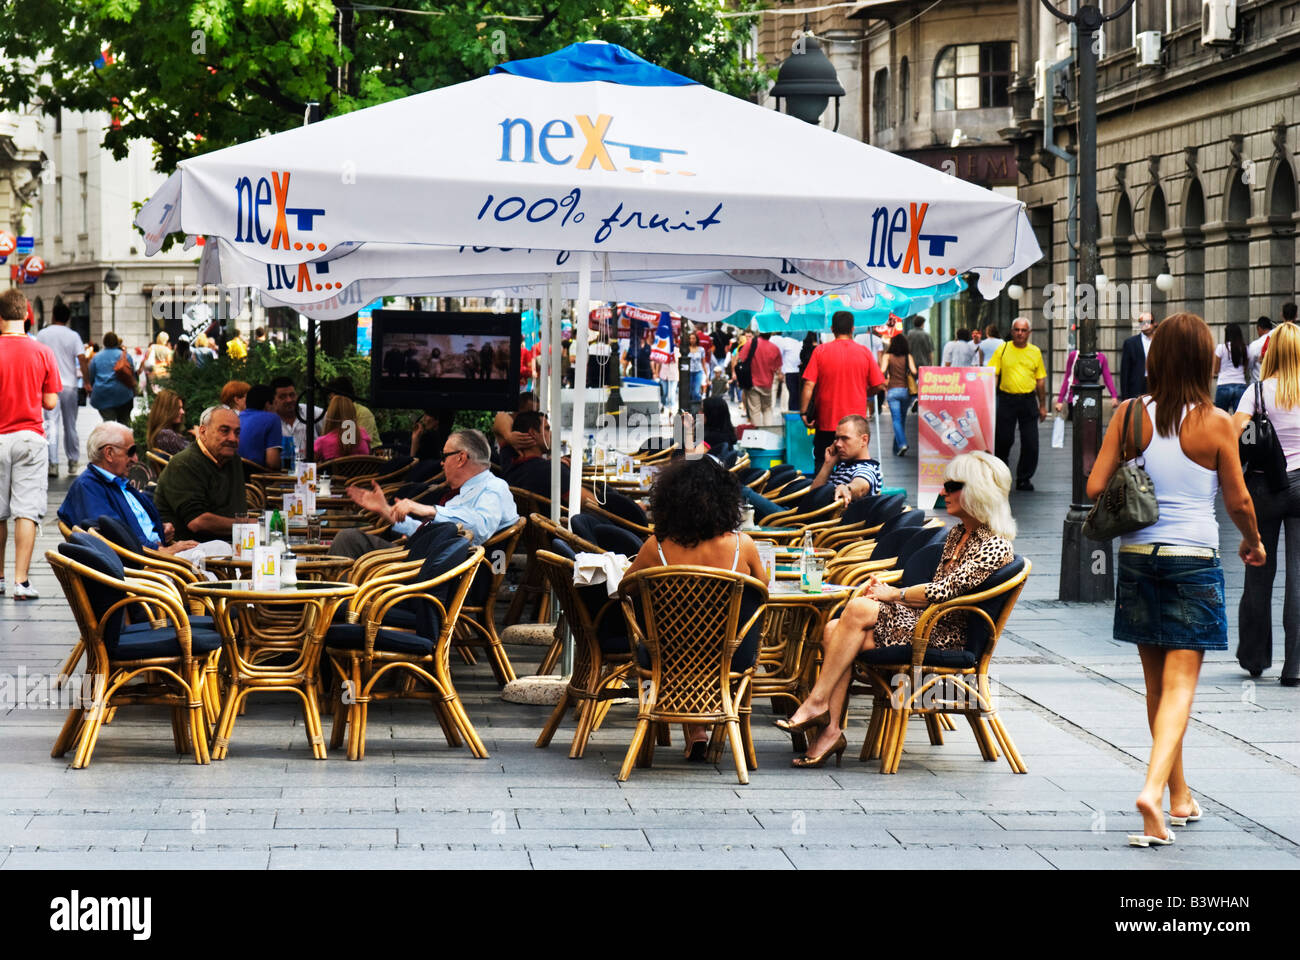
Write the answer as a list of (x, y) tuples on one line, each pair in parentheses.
[(1170, 550)]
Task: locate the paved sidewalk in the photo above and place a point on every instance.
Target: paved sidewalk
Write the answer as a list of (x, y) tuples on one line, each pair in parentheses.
[(1070, 697)]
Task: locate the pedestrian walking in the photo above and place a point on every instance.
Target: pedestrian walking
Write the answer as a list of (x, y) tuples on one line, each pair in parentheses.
[(839, 376), (66, 345), (1021, 402), (790, 348), (1133, 359), (764, 367), (958, 353), (990, 343), (900, 377), (1255, 352), (1280, 393), (1068, 391), (112, 377), (1169, 595), (1230, 368), (29, 382), (919, 343), (699, 368)]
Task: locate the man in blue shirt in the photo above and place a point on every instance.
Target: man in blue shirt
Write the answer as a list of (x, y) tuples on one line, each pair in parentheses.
[(259, 428), (483, 503), (102, 490)]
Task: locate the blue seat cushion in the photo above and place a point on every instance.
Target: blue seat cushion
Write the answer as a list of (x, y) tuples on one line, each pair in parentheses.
[(196, 623), (352, 636), (148, 644), (902, 655)]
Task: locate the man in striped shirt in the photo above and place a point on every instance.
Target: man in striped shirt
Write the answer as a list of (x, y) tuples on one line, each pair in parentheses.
[(847, 464)]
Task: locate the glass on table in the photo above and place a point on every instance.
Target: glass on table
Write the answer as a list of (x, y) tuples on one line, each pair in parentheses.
[(813, 569), (313, 528)]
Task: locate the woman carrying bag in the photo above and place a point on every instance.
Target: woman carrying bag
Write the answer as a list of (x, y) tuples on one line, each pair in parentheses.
[(112, 375), (1279, 395), (1169, 595)]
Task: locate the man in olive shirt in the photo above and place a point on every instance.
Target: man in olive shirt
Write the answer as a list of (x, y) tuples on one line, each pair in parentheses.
[(201, 490), (1022, 400)]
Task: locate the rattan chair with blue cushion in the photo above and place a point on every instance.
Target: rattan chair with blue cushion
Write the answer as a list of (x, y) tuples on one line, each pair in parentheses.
[(917, 680), (478, 626), (692, 627), (363, 652), (168, 654), (602, 658)]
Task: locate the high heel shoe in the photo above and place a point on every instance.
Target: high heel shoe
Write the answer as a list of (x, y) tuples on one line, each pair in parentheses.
[(818, 721), (836, 748), (1190, 818)]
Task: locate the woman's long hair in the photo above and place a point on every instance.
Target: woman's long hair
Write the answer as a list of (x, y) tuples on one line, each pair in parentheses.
[(1180, 368), (162, 415), (1236, 344), (341, 413), (1282, 360)]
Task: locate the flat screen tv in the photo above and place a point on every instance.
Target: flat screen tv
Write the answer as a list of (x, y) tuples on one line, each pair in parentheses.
[(450, 361)]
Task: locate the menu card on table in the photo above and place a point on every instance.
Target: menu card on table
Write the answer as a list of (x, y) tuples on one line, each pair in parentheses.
[(266, 568), (244, 537)]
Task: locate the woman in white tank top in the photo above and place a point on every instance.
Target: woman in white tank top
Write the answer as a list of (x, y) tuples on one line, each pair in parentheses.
[(1169, 591)]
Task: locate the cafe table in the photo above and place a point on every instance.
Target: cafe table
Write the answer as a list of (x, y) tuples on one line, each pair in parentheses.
[(236, 608), (791, 641)]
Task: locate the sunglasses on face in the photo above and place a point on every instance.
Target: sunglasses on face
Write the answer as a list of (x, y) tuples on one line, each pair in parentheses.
[(449, 453), (953, 486), (129, 451)]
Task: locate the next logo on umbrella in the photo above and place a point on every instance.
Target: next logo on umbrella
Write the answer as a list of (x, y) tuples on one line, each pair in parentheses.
[(556, 143)]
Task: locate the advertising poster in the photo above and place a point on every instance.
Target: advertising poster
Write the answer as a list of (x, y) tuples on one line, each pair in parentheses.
[(955, 415)]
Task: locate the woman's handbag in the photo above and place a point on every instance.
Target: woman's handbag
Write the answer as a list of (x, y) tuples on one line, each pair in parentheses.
[(124, 370), (1129, 501), (1261, 451), (911, 380)]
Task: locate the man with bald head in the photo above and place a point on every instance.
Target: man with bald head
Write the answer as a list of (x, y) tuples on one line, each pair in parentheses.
[(201, 489), (102, 490)]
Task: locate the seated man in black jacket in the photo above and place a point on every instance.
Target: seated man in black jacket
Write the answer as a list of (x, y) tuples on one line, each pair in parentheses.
[(531, 469)]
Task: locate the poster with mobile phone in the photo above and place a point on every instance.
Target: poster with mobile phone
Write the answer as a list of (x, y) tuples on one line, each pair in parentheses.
[(955, 416)]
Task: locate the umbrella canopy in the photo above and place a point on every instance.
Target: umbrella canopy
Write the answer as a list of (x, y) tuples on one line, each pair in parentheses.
[(816, 316), (593, 149)]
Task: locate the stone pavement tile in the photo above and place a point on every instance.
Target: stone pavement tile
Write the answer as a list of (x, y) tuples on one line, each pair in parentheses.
[(1072, 821), (975, 803), (1040, 839), (916, 858), (197, 820), (283, 858), (105, 798), (514, 838), (1239, 756), (427, 819), (268, 838), (702, 800), (453, 798), (731, 821), (1264, 779), (1260, 727), (138, 860), (1287, 827), (1176, 857), (662, 838), (720, 858), (813, 820), (46, 836)]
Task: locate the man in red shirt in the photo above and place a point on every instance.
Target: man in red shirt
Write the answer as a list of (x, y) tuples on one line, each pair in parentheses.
[(764, 363), (843, 373), (29, 381)]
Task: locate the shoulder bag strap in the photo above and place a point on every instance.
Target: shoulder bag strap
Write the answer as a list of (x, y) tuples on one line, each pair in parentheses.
[(1134, 426), (1260, 410)]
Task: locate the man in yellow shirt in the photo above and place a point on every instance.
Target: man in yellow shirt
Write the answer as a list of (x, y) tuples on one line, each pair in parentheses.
[(1022, 393)]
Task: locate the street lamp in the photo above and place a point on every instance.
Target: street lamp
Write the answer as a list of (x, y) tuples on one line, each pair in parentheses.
[(113, 286), (1083, 577), (806, 81)]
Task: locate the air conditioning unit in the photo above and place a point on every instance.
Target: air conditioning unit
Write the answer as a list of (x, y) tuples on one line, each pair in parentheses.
[(1148, 48), (1218, 21)]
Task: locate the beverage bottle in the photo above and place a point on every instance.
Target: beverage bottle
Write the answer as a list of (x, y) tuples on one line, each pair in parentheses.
[(805, 559), (275, 533)]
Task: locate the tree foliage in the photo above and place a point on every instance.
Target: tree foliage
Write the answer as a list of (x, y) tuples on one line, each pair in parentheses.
[(198, 75)]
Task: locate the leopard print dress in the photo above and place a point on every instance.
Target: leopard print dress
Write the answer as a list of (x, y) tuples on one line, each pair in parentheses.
[(984, 553)]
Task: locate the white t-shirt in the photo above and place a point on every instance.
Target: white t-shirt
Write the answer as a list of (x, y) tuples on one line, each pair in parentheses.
[(1227, 372), (1286, 423), (66, 346), (1255, 356), (790, 348), (959, 353)]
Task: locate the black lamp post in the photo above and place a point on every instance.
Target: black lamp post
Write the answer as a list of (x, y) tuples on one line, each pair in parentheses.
[(1086, 568), (112, 286), (806, 81)]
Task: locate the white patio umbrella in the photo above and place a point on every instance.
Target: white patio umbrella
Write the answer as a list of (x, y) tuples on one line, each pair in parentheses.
[(592, 149)]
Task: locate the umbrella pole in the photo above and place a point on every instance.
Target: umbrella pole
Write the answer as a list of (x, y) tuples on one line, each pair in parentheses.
[(553, 384), (880, 456), (580, 328)]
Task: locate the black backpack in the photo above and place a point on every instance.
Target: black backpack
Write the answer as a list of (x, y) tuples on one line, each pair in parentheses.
[(744, 370)]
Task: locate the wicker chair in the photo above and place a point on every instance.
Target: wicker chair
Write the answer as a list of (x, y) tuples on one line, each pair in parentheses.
[(693, 627), (360, 466), (477, 626), (906, 681), (601, 659), (163, 649), (530, 589), (365, 650)]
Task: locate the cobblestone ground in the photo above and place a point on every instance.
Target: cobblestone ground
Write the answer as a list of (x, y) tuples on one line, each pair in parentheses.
[(1070, 696)]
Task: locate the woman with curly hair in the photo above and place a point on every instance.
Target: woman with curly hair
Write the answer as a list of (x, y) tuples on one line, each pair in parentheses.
[(696, 506), (166, 420)]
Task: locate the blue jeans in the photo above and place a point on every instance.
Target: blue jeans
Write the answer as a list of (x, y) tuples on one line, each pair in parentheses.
[(668, 394), (899, 400), (1228, 395), (697, 386), (1171, 602)]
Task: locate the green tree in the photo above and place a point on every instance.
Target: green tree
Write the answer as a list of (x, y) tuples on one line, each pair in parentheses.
[(198, 75)]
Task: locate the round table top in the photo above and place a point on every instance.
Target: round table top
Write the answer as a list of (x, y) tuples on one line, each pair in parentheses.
[(789, 591), (754, 531), (301, 590)]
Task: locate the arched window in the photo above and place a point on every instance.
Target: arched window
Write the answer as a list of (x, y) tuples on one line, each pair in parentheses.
[(1282, 242), (880, 101), (1194, 255), (970, 76)]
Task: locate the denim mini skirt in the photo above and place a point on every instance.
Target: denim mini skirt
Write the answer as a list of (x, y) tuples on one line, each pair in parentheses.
[(1171, 602)]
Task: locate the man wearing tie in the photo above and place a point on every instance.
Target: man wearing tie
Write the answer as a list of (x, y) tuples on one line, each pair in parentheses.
[(1133, 360)]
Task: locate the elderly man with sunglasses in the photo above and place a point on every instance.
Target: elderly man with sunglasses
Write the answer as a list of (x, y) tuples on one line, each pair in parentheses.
[(482, 504), (102, 490)]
